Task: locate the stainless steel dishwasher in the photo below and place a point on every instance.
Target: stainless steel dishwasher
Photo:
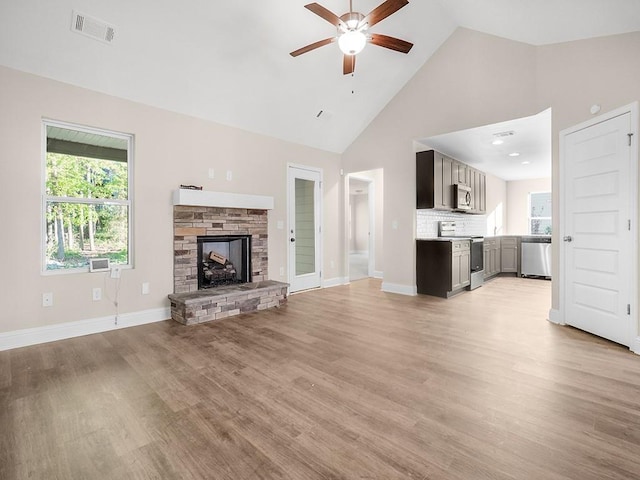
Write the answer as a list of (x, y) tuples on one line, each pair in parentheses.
[(536, 256)]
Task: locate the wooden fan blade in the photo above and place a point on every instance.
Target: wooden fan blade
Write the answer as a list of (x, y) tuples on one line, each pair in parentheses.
[(328, 15), (348, 64), (313, 46), (382, 11), (391, 43)]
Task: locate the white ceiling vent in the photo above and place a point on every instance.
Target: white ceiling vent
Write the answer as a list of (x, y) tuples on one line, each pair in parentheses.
[(92, 27), (504, 134)]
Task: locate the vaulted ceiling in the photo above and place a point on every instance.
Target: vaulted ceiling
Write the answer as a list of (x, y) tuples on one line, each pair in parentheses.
[(229, 61)]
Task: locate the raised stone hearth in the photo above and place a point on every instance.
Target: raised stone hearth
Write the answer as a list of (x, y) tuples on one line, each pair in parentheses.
[(220, 302), (197, 214)]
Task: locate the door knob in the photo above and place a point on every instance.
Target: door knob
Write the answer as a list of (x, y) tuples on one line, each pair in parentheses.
[(567, 238)]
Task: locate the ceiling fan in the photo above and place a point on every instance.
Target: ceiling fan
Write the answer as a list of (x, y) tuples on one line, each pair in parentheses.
[(352, 31)]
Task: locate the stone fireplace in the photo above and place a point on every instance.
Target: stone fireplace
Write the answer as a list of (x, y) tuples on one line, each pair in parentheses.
[(221, 256), (193, 222)]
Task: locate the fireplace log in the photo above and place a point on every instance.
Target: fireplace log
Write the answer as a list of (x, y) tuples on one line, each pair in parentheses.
[(216, 257)]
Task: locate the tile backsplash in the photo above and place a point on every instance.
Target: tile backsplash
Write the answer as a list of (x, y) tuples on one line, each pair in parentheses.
[(466, 224)]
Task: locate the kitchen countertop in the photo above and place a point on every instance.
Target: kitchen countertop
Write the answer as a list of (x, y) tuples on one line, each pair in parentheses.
[(444, 239), (453, 239)]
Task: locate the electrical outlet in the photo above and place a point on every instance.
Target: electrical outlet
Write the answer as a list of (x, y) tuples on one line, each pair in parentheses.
[(47, 299), (97, 294), (282, 271), (145, 288), (280, 225), (116, 271), (229, 175), (212, 173), (333, 264)]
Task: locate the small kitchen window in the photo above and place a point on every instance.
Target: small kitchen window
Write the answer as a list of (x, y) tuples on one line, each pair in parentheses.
[(87, 192), (540, 213)]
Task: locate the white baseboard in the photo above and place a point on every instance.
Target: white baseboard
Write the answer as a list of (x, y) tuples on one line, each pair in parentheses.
[(334, 282), (635, 346), (411, 290), (555, 317), (377, 274), (61, 331)]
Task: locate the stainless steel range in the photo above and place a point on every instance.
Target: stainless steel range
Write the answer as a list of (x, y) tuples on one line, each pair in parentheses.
[(448, 230)]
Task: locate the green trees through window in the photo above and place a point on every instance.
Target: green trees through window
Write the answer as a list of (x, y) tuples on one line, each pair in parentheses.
[(87, 198)]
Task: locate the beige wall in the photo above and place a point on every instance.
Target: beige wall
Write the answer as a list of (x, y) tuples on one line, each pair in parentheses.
[(496, 215), (518, 203), (573, 76), (170, 149), (477, 79), (472, 80)]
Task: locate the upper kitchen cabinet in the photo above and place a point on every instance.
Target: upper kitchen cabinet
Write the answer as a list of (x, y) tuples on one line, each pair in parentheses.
[(434, 180), (461, 173), (477, 182), (436, 174)]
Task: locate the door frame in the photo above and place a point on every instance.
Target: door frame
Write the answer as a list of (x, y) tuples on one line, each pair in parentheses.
[(632, 109), (320, 226), (371, 203)]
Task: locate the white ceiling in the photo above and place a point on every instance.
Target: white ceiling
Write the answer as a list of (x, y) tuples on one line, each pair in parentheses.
[(229, 61), (531, 139)]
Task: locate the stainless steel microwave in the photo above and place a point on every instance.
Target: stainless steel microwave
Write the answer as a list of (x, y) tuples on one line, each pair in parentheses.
[(462, 196)]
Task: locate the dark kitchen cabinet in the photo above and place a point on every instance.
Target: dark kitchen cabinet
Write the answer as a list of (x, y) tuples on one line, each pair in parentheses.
[(434, 181), (443, 268)]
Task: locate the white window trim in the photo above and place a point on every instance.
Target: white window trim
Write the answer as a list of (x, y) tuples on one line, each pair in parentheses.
[(45, 198), (529, 217)]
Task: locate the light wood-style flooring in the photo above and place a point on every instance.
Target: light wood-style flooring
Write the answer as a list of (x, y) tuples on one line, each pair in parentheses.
[(342, 383)]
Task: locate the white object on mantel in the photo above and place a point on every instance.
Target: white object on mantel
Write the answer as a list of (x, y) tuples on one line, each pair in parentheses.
[(204, 198)]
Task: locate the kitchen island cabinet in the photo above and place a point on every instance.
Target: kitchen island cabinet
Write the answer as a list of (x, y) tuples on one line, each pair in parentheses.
[(443, 267)]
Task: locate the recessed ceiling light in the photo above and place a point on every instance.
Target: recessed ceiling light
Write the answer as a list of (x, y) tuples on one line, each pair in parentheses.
[(514, 154), (497, 141), (525, 163)]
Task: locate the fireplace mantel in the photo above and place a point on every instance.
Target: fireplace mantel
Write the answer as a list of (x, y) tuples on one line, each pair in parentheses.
[(204, 198)]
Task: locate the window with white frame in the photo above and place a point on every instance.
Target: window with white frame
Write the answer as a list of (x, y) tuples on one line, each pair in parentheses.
[(87, 196), (540, 213)]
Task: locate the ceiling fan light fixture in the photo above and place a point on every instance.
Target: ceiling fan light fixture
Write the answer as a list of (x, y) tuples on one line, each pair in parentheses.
[(352, 42)]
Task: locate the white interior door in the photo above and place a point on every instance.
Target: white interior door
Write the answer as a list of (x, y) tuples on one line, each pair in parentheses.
[(304, 228), (597, 238)]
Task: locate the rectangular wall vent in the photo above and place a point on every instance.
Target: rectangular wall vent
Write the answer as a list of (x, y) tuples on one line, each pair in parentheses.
[(92, 27), (504, 134)]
